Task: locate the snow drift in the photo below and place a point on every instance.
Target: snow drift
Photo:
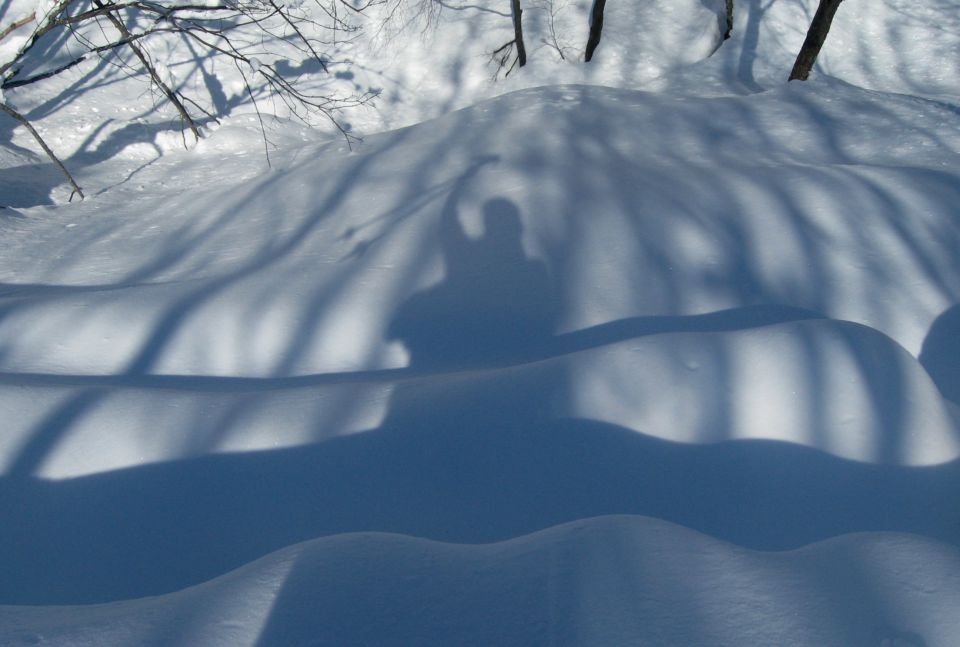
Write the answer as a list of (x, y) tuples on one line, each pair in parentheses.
[(611, 580), (393, 395)]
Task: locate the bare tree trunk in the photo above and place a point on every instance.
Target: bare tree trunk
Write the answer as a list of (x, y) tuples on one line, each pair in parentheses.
[(518, 33), (46, 149), (816, 35), (596, 26), (729, 29)]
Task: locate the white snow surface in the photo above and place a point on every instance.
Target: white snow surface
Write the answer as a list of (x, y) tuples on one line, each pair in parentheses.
[(659, 349)]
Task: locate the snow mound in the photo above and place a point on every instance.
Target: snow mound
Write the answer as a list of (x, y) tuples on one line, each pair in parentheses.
[(694, 206), (611, 580), (870, 401), (745, 427), (836, 387)]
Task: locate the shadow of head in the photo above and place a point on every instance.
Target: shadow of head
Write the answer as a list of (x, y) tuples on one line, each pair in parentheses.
[(501, 220), (940, 354), (495, 304)]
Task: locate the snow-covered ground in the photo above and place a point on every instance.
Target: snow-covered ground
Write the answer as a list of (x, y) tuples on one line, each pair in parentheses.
[(658, 349)]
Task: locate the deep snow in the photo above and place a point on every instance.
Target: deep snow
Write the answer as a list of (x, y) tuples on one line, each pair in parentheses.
[(656, 350), (601, 581)]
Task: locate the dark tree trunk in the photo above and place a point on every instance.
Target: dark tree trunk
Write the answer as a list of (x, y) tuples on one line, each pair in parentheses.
[(729, 29), (596, 26), (518, 33), (816, 36)]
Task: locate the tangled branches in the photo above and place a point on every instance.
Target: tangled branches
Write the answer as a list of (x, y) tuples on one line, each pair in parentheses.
[(257, 36)]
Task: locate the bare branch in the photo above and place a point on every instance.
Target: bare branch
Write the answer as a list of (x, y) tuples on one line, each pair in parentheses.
[(361, 9), (17, 24), (46, 149), (107, 27), (263, 130), (300, 34), (15, 83), (152, 71), (44, 24), (92, 13)]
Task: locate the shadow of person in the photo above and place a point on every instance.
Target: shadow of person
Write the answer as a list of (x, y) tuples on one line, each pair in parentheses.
[(940, 353), (495, 306)]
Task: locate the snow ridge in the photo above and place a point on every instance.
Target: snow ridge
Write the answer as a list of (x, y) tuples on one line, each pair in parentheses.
[(593, 581)]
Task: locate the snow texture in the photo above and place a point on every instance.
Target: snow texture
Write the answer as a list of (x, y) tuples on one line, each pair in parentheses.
[(655, 350)]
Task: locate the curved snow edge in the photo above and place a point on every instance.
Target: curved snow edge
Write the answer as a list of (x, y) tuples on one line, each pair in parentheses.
[(585, 582)]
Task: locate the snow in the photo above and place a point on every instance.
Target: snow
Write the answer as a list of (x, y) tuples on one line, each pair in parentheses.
[(659, 349), (599, 581)]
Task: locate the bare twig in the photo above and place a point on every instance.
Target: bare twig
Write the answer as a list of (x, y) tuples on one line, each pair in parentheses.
[(17, 24), (171, 95), (46, 149), (502, 56), (107, 27), (44, 25), (253, 99)]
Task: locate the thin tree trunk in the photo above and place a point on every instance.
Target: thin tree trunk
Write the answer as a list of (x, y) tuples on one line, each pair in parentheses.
[(596, 26), (816, 35), (518, 33), (729, 29), (46, 149)]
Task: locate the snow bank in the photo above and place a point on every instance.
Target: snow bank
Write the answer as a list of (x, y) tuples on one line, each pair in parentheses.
[(693, 205), (831, 386), (390, 259), (612, 580)]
